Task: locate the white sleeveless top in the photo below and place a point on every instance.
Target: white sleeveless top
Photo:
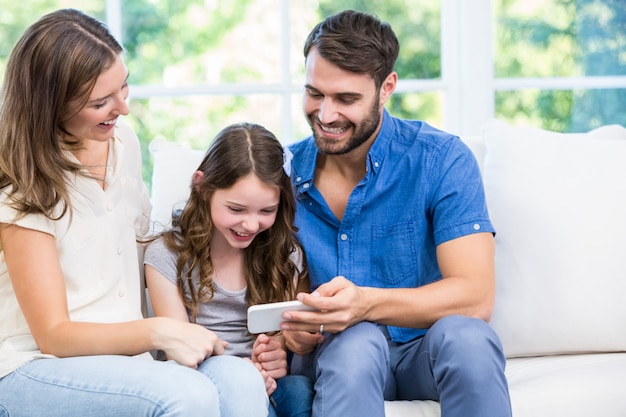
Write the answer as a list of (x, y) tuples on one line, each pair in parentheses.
[(97, 251)]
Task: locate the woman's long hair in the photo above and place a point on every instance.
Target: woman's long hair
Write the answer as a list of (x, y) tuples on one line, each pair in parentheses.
[(49, 77), (270, 270)]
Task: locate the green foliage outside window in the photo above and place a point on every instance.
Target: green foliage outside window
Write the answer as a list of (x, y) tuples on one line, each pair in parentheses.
[(204, 45), (561, 38)]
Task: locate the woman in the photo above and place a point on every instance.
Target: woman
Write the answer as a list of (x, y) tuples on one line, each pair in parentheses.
[(72, 204)]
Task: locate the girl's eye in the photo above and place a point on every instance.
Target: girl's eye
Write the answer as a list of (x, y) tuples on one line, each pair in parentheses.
[(269, 211), (99, 105), (235, 209)]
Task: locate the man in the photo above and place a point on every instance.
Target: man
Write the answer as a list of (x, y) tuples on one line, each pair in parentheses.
[(399, 244)]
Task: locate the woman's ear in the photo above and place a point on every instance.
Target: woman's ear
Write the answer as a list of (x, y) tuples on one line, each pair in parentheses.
[(197, 178)]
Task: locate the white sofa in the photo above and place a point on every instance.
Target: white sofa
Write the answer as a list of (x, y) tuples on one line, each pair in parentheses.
[(558, 202)]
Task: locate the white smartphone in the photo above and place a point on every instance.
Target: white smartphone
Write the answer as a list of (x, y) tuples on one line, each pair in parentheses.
[(267, 317)]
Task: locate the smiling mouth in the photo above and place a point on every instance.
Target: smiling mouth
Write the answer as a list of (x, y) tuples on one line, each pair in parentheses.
[(332, 130), (109, 122), (242, 234)]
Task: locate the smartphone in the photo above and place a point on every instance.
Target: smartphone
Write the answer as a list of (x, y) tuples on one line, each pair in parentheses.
[(267, 317)]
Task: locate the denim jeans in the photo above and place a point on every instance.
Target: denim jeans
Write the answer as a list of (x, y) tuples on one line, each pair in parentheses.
[(293, 397), (459, 362), (120, 386)]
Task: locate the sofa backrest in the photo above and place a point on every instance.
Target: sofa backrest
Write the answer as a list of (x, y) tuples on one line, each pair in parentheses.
[(477, 145), (173, 167), (558, 203)]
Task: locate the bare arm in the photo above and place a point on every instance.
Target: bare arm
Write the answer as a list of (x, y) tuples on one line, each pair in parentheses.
[(166, 302), (467, 287), (37, 279), (164, 296)]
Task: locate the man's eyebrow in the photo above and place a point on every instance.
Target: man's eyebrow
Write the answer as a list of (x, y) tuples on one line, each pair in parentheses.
[(310, 87), (349, 95), (343, 95)]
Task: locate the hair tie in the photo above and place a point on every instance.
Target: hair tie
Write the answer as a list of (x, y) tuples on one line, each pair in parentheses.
[(287, 157)]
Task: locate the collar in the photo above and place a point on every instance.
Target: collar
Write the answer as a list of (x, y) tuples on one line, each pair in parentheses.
[(380, 147)]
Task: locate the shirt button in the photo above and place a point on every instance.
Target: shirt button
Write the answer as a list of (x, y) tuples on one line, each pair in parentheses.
[(344, 236), (299, 179), (476, 226), (305, 186), (376, 164)]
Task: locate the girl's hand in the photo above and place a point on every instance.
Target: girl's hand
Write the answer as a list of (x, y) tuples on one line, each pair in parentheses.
[(301, 342), (269, 353), (270, 383)]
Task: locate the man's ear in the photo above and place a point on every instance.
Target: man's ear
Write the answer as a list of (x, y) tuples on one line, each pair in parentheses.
[(388, 87), (197, 178)]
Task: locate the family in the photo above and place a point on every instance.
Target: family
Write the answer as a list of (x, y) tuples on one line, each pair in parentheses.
[(379, 223)]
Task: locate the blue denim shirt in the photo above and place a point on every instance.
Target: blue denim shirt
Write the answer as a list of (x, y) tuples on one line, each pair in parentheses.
[(422, 187)]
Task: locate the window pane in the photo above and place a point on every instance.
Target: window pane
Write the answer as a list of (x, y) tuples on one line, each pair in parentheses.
[(422, 106), (23, 13), (175, 43), (303, 16), (193, 121), (560, 38), (563, 110), (300, 127)]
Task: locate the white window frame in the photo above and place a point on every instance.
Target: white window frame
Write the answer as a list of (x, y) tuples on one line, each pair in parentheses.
[(467, 82)]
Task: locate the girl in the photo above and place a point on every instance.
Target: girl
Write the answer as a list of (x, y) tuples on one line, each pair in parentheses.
[(72, 203), (233, 246)]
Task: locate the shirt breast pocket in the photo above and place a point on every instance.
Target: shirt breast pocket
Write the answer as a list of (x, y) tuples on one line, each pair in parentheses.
[(394, 257)]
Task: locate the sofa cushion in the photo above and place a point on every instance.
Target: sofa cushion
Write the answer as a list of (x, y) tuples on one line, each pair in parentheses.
[(568, 385), (558, 203), (551, 386)]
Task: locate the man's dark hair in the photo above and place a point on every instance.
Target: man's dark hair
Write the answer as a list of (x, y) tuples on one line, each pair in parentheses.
[(357, 42)]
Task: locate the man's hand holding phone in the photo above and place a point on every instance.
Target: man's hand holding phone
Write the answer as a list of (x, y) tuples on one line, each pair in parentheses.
[(264, 318)]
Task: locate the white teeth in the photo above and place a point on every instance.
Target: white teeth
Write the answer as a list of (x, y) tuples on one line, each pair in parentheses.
[(109, 122), (334, 130), (241, 234)]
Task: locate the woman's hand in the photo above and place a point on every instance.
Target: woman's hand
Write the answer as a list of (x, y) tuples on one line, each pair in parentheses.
[(186, 343)]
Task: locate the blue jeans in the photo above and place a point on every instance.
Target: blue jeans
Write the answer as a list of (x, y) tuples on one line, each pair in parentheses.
[(293, 397), (458, 362), (120, 386)]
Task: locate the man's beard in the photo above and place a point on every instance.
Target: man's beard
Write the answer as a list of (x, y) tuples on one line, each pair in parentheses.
[(361, 133)]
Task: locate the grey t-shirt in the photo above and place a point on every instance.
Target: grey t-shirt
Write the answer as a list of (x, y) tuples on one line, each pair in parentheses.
[(225, 314)]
